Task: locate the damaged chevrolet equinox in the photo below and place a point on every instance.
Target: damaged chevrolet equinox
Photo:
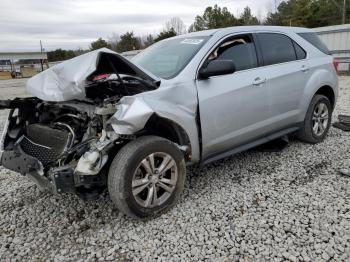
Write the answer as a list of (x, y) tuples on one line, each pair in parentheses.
[(100, 121)]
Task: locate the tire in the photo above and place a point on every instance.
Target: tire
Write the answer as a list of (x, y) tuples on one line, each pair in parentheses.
[(307, 132), (132, 165)]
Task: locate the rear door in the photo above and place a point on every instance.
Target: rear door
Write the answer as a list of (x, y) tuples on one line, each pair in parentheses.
[(286, 69)]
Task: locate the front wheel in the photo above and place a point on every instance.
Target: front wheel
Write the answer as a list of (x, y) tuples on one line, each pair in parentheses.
[(147, 177), (317, 121)]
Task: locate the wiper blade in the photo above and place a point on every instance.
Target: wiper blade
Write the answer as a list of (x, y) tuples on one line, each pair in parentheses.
[(119, 78), (148, 84)]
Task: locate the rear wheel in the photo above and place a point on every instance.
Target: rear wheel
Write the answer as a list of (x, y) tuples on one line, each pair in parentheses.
[(147, 177), (317, 121)]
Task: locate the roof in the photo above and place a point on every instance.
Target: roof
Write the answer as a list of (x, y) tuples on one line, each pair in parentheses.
[(237, 29), (22, 55)]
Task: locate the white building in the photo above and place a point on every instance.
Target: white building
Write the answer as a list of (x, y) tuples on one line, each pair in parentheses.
[(337, 39), (8, 59)]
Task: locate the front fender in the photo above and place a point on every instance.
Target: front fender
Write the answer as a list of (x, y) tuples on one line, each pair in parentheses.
[(131, 116), (177, 103)]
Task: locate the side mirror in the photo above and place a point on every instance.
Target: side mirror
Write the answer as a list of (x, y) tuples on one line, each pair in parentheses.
[(216, 68)]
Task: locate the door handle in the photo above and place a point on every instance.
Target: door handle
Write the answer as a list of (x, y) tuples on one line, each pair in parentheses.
[(259, 81), (305, 68)]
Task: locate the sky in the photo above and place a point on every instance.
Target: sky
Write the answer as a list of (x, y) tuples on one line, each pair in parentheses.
[(73, 24)]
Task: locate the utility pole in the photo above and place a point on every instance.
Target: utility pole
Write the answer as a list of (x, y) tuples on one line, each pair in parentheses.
[(342, 9), (344, 12), (41, 47), (41, 51)]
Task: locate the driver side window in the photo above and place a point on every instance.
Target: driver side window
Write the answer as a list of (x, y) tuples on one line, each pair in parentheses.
[(240, 49)]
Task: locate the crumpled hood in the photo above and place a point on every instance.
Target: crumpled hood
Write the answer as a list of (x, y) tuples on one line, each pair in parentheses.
[(66, 81)]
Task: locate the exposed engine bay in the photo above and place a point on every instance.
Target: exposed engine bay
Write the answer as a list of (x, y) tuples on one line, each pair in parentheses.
[(65, 145)]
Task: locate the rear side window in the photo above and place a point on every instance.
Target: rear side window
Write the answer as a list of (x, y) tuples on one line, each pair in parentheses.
[(276, 48), (314, 39)]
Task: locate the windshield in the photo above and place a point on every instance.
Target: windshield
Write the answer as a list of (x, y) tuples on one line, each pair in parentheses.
[(168, 58)]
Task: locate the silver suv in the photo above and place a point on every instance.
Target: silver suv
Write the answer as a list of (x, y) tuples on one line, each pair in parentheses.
[(101, 121)]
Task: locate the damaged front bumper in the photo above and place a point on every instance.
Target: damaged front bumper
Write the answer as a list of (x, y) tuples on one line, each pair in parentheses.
[(3, 134), (57, 180), (20, 162)]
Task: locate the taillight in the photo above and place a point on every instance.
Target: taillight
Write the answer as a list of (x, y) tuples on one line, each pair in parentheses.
[(336, 65)]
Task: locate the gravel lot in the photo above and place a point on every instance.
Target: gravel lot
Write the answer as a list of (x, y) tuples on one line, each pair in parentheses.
[(255, 206)]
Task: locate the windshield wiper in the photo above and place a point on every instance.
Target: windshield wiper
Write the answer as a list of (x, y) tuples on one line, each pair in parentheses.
[(119, 78), (146, 83)]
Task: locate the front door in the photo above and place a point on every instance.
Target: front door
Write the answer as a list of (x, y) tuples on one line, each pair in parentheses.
[(234, 108)]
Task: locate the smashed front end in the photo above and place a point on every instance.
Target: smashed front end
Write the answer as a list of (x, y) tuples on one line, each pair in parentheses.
[(64, 140), (62, 146)]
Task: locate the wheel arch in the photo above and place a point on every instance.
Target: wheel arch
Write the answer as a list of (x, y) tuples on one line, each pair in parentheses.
[(328, 92), (167, 129)]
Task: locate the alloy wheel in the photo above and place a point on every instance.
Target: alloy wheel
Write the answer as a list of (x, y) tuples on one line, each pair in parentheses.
[(320, 119), (154, 180)]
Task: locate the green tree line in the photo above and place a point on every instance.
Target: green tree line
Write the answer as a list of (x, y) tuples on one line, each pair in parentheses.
[(309, 13), (305, 13)]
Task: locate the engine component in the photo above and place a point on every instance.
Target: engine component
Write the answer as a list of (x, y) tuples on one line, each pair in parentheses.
[(70, 130), (94, 160), (62, 179), (106, 110), (44, 154), (91, 163)]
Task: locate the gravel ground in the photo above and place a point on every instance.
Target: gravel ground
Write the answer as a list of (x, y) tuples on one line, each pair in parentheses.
[(255, 206)]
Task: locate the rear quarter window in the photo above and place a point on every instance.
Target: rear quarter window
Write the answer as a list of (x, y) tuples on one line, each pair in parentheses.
[(315, 40), (300, 52)]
